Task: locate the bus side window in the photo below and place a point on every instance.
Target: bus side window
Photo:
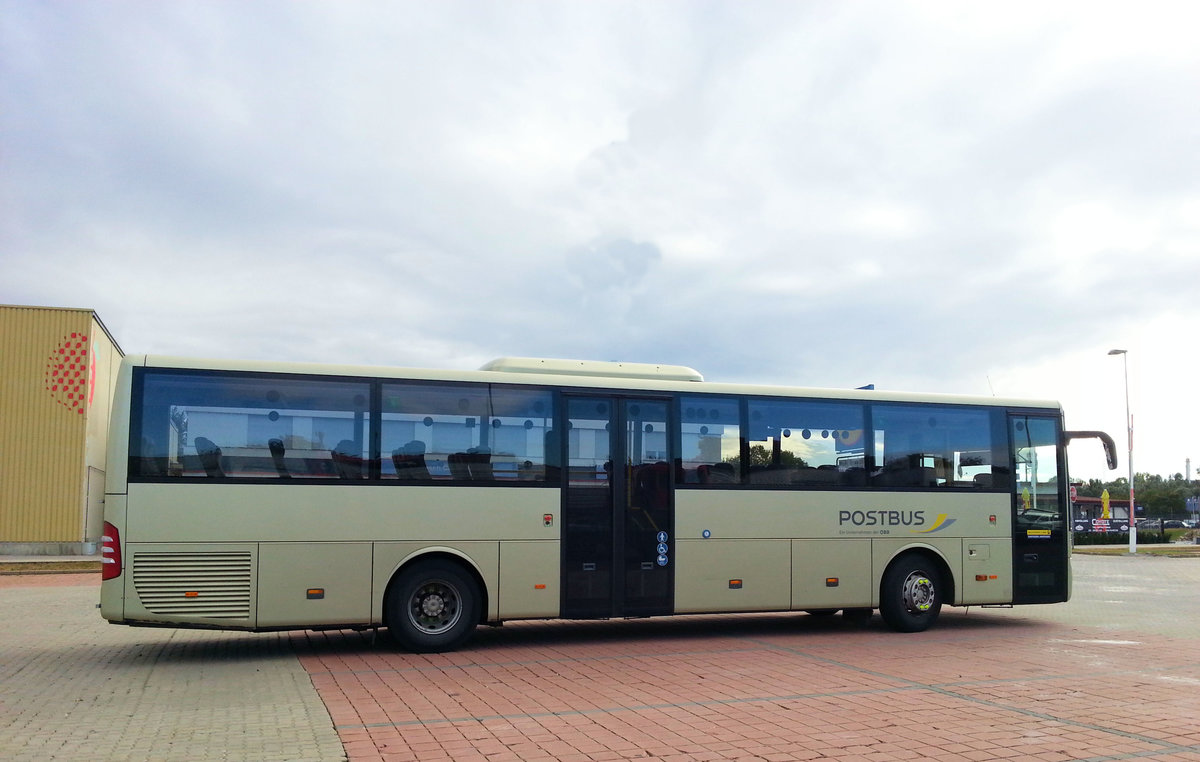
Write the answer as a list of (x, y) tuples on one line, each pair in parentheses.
[(938, 447), (711, 439), (242, 425), (815, 444), (465, 432)]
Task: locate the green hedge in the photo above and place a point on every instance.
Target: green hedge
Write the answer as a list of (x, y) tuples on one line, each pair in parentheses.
[(1121, 538)]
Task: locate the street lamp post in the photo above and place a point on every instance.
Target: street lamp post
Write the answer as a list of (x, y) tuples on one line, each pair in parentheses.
[(1129, 434)]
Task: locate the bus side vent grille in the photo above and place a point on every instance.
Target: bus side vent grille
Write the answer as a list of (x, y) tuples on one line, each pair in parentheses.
[(204, 585)]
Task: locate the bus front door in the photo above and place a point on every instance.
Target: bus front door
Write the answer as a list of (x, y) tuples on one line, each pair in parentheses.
[(618, 509), (1041, 547)]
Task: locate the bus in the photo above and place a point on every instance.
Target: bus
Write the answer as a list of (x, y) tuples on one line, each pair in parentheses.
[(272, 496)]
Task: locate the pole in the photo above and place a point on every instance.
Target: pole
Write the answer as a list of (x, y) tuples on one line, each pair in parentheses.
[(1129, 434)]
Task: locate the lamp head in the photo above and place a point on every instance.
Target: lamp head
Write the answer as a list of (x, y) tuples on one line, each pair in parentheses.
[(1116, 351)]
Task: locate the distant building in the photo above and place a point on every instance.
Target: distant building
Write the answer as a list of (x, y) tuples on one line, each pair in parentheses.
[(1087, 515), (58, 368), (1093, 507)]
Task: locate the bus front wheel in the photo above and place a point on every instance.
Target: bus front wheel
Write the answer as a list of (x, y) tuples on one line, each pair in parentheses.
[(910, 596), (433, 606)]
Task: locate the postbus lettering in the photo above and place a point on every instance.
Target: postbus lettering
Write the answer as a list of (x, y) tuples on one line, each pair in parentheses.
[(882, 518)]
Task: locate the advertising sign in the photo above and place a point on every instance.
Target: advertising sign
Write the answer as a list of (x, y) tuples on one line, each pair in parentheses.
[(1083, 524)]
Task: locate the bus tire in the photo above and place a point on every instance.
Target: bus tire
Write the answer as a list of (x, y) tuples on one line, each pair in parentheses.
[(432, 606), (910, 595)]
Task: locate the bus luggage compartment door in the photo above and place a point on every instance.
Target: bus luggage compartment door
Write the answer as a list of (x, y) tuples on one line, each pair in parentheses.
[(314, 583)]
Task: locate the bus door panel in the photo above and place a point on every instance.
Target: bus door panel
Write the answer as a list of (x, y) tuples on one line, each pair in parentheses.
[(587, 535), (618, 509), (648, 508), (1040, 524)]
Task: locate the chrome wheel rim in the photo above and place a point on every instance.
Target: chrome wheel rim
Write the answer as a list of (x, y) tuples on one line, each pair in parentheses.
[(918, 593)]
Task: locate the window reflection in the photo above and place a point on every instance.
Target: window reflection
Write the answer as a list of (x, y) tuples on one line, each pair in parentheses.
[(806, 443), (465, 433), (1035, 453), (219, 425), (938, 446), (711, 440)]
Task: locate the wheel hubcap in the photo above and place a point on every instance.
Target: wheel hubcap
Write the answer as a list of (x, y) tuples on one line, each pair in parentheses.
[(919, 593), (435, 607)]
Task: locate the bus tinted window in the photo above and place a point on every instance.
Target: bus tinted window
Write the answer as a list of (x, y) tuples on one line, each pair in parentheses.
[(711, 440), (938, 446), (806, 443), (210, 425), (465, 432), (520, 429)]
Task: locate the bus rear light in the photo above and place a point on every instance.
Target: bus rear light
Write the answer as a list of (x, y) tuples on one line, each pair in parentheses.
[(110, 552)]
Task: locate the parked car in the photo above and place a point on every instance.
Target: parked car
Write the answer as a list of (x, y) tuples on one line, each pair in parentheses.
[(1173, 524)]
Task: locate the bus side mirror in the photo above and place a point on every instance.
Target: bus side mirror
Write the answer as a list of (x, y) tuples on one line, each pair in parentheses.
[(1110, 447)]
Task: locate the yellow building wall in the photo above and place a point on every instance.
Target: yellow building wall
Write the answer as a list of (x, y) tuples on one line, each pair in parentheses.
[(57, 368), (108, 359)]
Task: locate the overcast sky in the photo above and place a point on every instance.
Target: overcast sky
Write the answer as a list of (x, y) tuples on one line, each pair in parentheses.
[(953, 197)]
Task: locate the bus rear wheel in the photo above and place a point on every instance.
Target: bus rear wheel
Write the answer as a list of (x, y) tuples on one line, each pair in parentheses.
[(910, 596), (432, 606)]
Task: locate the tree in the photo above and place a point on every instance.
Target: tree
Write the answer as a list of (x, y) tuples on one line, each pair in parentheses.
[(761, 456), (1158, 497)]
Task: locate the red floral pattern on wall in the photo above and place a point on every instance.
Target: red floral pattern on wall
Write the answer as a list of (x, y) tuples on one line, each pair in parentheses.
[(67, 372)]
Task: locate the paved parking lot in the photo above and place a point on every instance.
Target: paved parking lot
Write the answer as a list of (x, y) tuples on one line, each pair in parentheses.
[(1112, 675)]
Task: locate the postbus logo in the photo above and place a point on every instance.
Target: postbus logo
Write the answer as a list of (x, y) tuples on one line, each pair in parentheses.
[(915, 520), (940, 523)]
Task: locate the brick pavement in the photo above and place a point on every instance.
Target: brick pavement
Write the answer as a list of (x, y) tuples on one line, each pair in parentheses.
[(1112, 675), (74, 687), (766, 688)]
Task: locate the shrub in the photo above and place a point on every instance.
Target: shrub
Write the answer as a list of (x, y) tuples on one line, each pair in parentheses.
[(1116, 538)]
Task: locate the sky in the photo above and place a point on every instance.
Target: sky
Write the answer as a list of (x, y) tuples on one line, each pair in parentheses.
[(970, 198)]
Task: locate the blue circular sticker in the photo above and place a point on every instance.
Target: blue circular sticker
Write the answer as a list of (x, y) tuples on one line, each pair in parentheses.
[(662, 536), (662, 548), (706, 534), (662, 560)]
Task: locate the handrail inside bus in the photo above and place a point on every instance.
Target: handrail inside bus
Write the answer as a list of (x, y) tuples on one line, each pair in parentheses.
[(1110, 447)]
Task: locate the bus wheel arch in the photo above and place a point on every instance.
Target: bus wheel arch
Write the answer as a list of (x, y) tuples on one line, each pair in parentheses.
[(914, 587), (433, 602)]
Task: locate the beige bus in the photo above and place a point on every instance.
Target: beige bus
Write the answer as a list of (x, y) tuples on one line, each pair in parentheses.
[(259, 496)]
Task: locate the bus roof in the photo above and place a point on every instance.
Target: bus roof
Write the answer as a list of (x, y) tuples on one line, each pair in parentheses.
[(592, 368)]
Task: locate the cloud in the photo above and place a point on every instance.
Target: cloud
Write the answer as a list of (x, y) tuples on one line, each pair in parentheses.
[(922, 197), (616, 265)]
